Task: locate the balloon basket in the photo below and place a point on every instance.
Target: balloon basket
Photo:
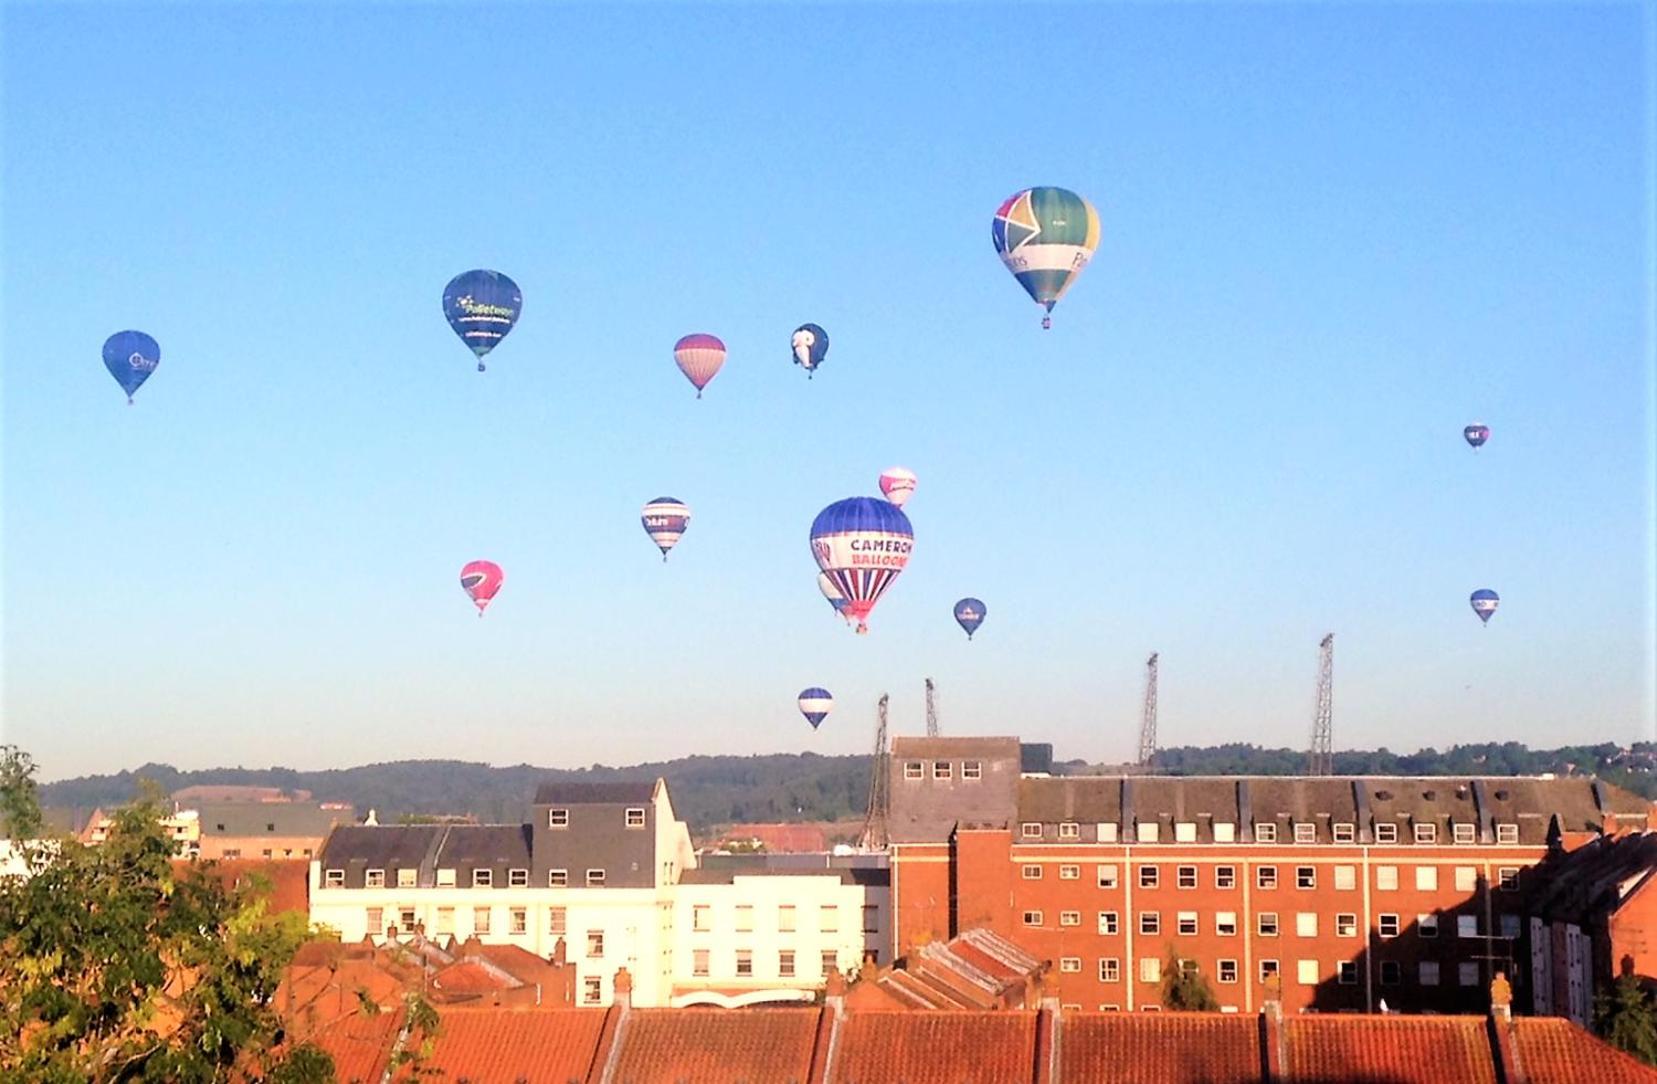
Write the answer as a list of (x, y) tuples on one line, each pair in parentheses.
[(1047, 323), (480, 367)]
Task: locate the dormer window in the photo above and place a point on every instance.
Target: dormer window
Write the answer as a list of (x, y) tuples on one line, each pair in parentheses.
[(374, 878), (595, 878), (1185, 832), (1070, 830), (558, 878), (1107, 832), (1225, 832), (483, 878), (1030, 830), (558, 818), (1464, 834), (1306, 832), (1426, 833), (1507, 834), (445, 878), (517, 878), (1345, 833), (635, 818), (1265, 832), (1386, 833), (1148, 831), (333, 878), (406, 877)]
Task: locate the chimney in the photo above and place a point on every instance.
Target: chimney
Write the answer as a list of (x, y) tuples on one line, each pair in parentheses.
[(1271, 1031), (371, 821), (1500, 1028), (1049, 1023), (560, 953), (624, 987)]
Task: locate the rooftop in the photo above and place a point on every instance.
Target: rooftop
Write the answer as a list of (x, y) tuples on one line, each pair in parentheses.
[(561, 792)]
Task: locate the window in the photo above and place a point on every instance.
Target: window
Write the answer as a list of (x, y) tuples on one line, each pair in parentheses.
[(785, 918), (1507, 879), (1392, 973), (635, 818), (1306, 972), (558, 921), (972, 769), (1344, 833), (269, 827), (1266, 923), (1070, 965), (1507, 834), (828, 918), (1107, 923), (1150, 969), (1265, 833), (558, 818), (1265, 877), (333, 878), (1225, 923), (1070, 873), (558, 878), (407, 914), (1185, 832), (1149, 876), (1268, 968), (1386, 833), (595, 878), (376, 920), (1427, 925), (1467, 974), (592, 990), (940, 769), (1346, 925), (830, 962), (1426, 833), (1510, 926), (1429, 972), (1032, 918), (1110, 969), (517, 878), (1426, 878), (1306, 832), (1225, 876), (1346, 878), (744, 961), (483, 878), (445, 920), (1386, 878), (481, 919), (1225, 832), (374, 878), (699, 963), (1186, 923), (1306, 876), (236, 852), (406, 877), (1107, 833), (871, 918), (1387, 924), (1227, 971), (1148, 831), (1070, 830), (1464, 834), (1185, 876), (595, 944), (1030, 830), (1467, 879), (520, 920), (785, 963), (1349, 973), (744, 918), (914, 769), (1107, 876), (701, 917), (445, 878), (1150, 922), (1070, 918), (1467, 925), (1306, 924), (1031, 872)]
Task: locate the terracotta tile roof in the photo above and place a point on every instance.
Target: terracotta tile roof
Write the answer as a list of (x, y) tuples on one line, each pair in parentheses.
[(1388, 1050), (935, 1048), (493, 1046), (360, 1046), (716, 1046), (289, 881), (1161, 1048), (781, 838), (1555, 1051)]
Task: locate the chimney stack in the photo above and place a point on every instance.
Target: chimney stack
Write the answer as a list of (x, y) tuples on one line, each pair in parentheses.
[(624, 987)]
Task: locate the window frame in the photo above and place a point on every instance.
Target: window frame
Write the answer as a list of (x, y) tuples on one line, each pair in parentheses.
[(595, 878), (1070, 871), (1107, 875), (1070, 830), (558, 818), (972, 770), (373, 878), (483, 877), (1030, 871), (1386, 833), (1507, 834), (943, 769), (1306, 878), (1265, 878), (1110, 969), (1463, 834), (1032, 919), (1306, 833), (1346, 924), (1262, 919), (1029, 830), (1150, 875), (333, 878), (1225, 878), (1383, 920), (1109, 924), (517, 878), (914, 770), (1185, 877), (558, 878), (1265, 832), (1150, 923), (627, 817), (1344, 832)]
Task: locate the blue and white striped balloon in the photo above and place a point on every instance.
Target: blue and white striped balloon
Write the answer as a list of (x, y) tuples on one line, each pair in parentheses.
[(815, 704), (665, 520), (1484, 602), (863, 544)]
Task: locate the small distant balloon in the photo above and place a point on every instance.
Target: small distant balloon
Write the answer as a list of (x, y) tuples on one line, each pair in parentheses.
[(130, 357), (826, 584), (898, 483), (482, 306), (1476, 434), (969, 614), (1045, 237), (665, 520), (1484, 602), (481, 579), (810, 344), (815, 704), (863, 543), (699, 357)]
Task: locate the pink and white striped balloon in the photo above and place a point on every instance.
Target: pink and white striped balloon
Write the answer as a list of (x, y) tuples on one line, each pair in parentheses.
[(898, 483), (699, 357)]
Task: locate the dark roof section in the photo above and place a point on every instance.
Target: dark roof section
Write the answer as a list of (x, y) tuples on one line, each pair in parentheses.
[(724, 875), (561, 792), (484, 846), (242, 819), (383, 846)]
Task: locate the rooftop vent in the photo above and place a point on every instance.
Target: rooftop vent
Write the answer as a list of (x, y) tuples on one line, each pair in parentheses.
[(1461, 792), (1383, 795), (1501, 795), (1430, 795)]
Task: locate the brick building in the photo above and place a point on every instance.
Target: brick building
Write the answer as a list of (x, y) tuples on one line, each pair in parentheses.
[(1357, 894)]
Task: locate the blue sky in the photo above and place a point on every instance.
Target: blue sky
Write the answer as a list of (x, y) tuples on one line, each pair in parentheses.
[(1333, 235)]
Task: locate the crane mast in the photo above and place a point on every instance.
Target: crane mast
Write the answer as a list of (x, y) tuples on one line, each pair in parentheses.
[(1147, 721), (1321, 759), (875, 836), (931, 709)]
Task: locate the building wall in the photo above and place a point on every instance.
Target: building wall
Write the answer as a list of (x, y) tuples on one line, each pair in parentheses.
[(922, 907), (596, 836), (1632, 929), (301, 848)]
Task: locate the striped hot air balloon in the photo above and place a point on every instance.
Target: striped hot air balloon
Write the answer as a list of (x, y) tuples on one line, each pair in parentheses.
[(480, 580), (1484, 602), (825, 584), (1476, 434), (815, 704), (699, 357), (665, 520), (1045, 236), (898, 483), (862, 543)]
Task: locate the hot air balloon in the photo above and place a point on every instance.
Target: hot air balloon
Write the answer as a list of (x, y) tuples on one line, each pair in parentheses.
[(1045, 236), (969, 614), (1476, 434), (482, 306), (810, 345), (825, 584), (862, 543), (665, 520), (482, 579), (1484, 602), (130, 357), (898, 483), (699, 357), (815, 704)]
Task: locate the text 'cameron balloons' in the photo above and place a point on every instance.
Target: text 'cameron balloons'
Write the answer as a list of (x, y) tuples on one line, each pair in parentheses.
[(1045, 236), (969, 614), (826, 584), (862, 543), (898, 483), (1476, 434), (482, 579), (665, 520), (482, 306), (699, 357), (810, 345), (130, 357), (1484, 602), (815, 704)]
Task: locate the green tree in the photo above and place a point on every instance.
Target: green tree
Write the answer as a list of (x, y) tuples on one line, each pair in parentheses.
[(1626, 1019), (1186, 990), (118, 964)]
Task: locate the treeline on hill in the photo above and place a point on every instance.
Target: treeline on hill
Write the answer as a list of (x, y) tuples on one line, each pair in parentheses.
[(719, 790)]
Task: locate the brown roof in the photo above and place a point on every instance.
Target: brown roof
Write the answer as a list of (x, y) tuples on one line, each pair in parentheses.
[(492, 1046), (691, 1046), (935, 1048), (781, 838), (360, 1045), (1161, 1048), (1555, 1051), (1388, 1050), (290, 885)]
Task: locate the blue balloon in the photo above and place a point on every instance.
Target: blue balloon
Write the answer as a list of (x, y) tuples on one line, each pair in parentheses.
[(810, 345), (815, 704), (1484, 602), (482, 306), (969, 614), (862, 544), (130, 357)]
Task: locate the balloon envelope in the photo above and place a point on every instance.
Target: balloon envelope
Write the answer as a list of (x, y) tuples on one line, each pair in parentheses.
[(969, 614), (898, 483), (862, 543), (810, 344), (481, 579), (482, 306), (826, 584), (1045, 237), (1476, 434), (130, 357), (665, 520), (815, 704), (1484, 602), (699, 357)]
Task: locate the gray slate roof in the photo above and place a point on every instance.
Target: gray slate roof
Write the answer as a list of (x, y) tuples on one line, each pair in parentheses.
[(242, 819), (560, 792)]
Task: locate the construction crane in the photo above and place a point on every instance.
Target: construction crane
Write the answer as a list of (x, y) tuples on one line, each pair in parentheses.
[(1147, 722), (875, 836), (931, 709), (1321, 759)]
